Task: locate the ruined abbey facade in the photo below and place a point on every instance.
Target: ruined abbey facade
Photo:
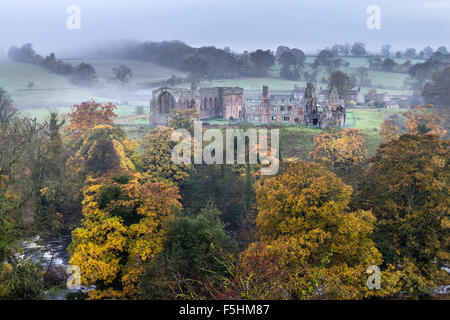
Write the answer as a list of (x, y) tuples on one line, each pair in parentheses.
[(211, 103), (228, 103)]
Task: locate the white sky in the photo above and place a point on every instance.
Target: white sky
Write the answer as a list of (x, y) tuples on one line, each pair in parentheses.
[(240, 24)]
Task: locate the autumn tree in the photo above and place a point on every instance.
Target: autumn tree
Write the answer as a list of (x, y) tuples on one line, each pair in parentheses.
[(104, 149), (22, 141), (184, 119), (393, 127), (406, 186), (88, 114), (122, 228), (418, 120), (156, 156), (123, 218), (340, 150), (424, 120), (305, 225), (57, 191)]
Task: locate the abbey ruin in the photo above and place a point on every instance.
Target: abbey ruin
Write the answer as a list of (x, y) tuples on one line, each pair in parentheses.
[(211, 103), (228, 103)]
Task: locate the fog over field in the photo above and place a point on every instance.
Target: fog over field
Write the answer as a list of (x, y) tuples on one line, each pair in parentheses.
[(241, 25)]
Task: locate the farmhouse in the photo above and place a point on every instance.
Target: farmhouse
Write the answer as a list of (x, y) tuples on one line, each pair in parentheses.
[(357, 96)]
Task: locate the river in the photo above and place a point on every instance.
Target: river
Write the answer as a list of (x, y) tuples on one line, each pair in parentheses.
[(51, 254)]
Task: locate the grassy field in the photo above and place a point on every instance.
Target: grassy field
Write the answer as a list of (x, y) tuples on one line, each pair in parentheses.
[(42, 114), (56, 92), (144, 73), (298, 141), (16, 76), (369, 121), (356, 62), (49, 91)]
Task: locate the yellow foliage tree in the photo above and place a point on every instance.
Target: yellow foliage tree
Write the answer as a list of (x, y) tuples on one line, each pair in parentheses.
[(184, 119), (407, 188), (123, 219), (156, 157), (390, 130), (104, 150), (123, 227), (304, 220), (339, 149), (424, 120), (419, 120)]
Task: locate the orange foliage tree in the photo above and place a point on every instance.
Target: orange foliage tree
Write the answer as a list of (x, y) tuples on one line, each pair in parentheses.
[(88, 114)]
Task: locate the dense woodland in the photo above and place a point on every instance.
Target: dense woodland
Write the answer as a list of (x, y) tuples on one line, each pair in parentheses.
[(145, 228)]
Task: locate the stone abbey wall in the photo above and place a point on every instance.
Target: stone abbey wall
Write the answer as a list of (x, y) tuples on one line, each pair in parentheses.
[(217, 102)]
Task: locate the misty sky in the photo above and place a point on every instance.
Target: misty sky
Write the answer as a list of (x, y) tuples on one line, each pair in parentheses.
[(239, 24)]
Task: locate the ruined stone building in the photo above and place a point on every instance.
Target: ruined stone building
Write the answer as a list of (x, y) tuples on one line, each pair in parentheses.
[(218, 102), (273, 109), (292, 109), (333, 114), (227, 103)]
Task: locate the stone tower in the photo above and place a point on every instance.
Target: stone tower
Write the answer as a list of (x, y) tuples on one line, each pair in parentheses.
[(334, 99), (310, 104)]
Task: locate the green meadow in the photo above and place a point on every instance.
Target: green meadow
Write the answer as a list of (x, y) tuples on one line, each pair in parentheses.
[(297, 141)]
